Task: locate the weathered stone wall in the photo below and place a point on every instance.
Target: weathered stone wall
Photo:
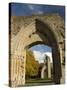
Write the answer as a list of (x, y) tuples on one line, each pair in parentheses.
[(22, 24), (23, 33)]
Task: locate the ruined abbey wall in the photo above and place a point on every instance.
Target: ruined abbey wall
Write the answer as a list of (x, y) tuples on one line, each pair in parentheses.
[(23, 33)]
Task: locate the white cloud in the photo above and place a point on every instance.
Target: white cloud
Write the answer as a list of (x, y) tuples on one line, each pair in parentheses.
[(39, 56), (37, 10), (31, 7)]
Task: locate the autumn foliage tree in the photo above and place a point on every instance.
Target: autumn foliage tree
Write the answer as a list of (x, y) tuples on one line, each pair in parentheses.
[(32, 66)]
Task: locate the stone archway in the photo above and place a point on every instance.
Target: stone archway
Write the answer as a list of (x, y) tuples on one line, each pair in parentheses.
[(39, 30)]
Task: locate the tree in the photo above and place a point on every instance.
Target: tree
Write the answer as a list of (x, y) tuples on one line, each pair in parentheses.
[(32, 65)]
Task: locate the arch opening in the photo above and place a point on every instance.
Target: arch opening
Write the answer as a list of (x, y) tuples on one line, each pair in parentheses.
[(39, 64)]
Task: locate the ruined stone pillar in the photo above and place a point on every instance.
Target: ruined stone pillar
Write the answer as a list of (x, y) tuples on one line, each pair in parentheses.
[(43, 72), (49, 67)]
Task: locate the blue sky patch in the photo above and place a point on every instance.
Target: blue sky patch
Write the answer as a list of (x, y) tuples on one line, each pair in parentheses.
[(21, 9)]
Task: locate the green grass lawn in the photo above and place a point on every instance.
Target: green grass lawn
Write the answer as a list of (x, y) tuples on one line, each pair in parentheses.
[(38, 80)]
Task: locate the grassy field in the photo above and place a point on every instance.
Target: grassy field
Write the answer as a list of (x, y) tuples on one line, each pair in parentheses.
[(38, 81)]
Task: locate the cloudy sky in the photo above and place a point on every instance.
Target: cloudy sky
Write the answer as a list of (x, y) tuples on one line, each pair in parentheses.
[(40, 51), (20, 9), (40, 56)]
